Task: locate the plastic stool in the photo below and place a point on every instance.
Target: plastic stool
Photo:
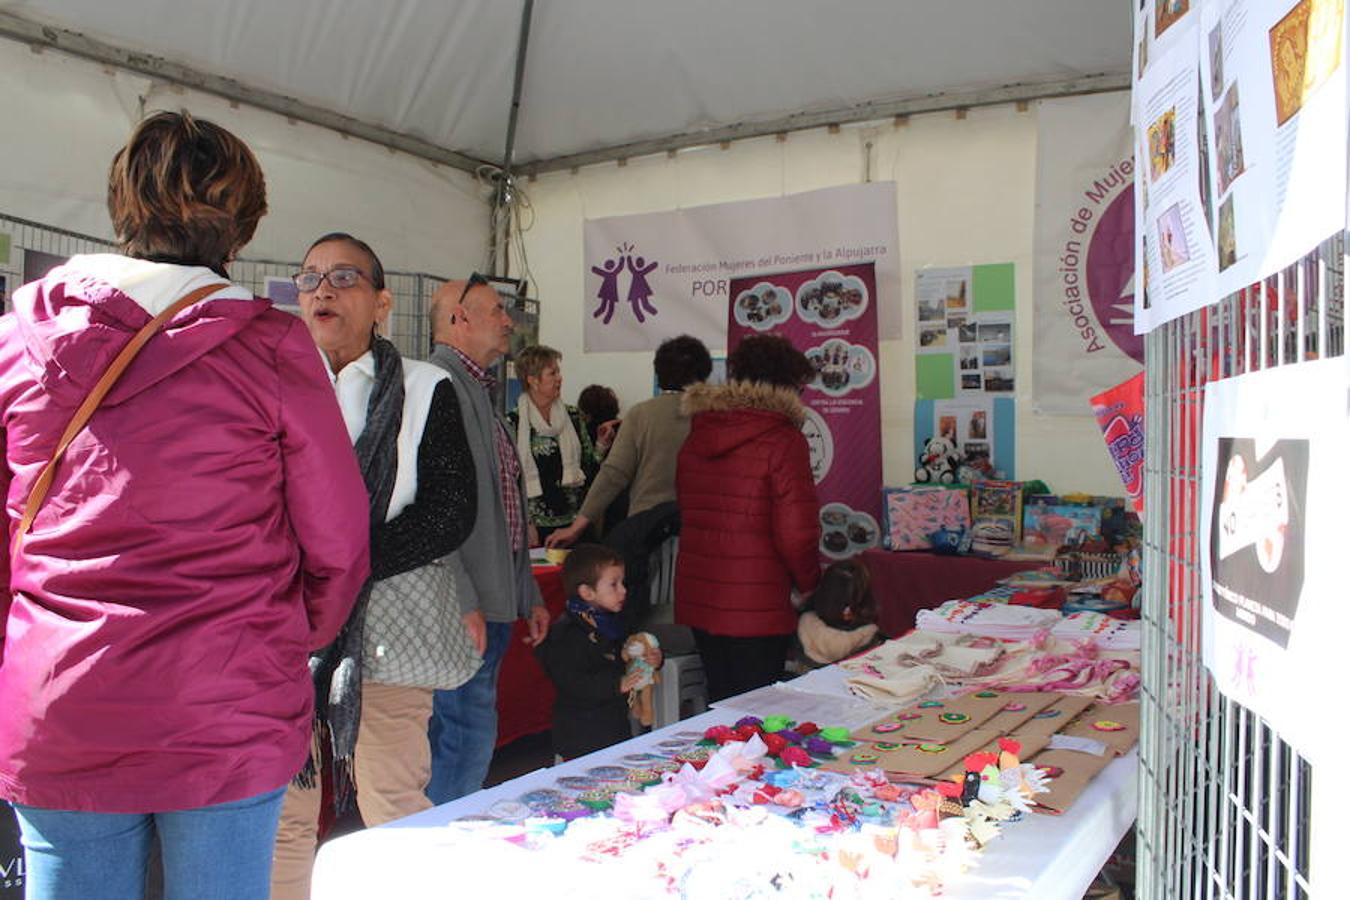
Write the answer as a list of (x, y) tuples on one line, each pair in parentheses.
[(682, 692)]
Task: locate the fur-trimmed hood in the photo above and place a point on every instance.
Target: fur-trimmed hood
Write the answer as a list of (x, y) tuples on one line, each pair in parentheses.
[(745, 395), (728, 415)]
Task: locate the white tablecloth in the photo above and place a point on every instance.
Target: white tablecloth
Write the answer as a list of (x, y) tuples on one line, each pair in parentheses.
[(1040, 858)]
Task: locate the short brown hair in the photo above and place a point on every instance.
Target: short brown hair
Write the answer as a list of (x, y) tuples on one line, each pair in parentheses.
[(770, 359), (185, 190), (533, 360), (584, 564)]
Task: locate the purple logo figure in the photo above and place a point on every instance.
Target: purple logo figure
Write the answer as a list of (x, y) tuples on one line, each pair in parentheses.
[(639, 291), (608, 295)]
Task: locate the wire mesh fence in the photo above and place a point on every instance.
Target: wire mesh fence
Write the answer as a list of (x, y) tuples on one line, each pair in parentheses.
[(1225, 804), (35, 248)]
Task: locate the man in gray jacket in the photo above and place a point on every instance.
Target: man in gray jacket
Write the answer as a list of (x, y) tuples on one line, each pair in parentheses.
[(471, 330)]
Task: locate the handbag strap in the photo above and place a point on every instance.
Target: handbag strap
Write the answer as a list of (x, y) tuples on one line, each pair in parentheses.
[(95, 397)]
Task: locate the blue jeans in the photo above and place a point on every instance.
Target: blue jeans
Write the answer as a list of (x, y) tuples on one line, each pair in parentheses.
[(220, 852), (463, 728)]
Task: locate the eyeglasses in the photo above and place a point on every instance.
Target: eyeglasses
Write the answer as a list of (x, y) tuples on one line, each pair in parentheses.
[(474, 281), (339, 277)]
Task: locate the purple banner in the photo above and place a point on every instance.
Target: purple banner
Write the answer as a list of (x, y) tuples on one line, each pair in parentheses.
[(829, 314)]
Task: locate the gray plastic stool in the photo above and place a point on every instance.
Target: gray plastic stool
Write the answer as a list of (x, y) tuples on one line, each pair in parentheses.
[(682, 692)]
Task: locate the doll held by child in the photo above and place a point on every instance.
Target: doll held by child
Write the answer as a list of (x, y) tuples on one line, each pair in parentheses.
[(839, 620), (583, 656)]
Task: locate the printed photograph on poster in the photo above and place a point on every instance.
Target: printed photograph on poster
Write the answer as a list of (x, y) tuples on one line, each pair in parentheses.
[(1172, 239), (1256, 534), (1227, 241), (1176, 265), (1206, 183), (845, 531), (1272, 460), (832, 299), (1228, 139), (1215, 61), (841, 366), (999, 381), (762, 307), (933, 337), (1276, 105), (1305, 51), (994, 331), (1162, 144), (1168, 13)]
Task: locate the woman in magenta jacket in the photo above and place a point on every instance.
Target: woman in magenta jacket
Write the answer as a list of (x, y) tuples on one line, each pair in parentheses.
[(205, 531), (749, 516)]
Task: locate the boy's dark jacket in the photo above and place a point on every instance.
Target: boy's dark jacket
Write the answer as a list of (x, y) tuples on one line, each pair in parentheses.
[(589, 712)]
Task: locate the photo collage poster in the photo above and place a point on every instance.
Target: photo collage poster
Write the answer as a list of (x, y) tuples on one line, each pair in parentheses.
[(830, 314), (964, 332), (1254, 93), (1174, 252)]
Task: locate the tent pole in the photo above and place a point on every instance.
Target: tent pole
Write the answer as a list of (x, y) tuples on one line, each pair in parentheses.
[(505, 194)]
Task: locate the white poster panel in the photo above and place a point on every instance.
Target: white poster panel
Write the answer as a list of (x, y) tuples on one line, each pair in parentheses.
[(1176, 252), (1274, 93), (1084, 297), (654, 276), (1273, 501)]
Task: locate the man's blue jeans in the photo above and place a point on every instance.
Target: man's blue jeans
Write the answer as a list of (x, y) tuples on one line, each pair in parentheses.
[(463, 728), (220, 852)]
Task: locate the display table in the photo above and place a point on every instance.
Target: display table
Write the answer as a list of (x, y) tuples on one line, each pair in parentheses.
[(1041, 857), (907, 581), (524, 693)]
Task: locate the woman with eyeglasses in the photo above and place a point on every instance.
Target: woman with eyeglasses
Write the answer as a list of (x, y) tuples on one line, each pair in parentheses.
[(161, 603), (554, 445), (405, 637)]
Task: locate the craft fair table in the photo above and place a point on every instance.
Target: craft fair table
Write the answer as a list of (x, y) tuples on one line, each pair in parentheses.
[(1042, 857), (524, 693), (908, 581)]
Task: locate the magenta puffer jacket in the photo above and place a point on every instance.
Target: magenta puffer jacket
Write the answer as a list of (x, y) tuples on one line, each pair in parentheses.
[(203, 533), (749, 518)]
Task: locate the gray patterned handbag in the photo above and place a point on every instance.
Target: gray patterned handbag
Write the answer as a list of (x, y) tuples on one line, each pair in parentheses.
[(414, 634)]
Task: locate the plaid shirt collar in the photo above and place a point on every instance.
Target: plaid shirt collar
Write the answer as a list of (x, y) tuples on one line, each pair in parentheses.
[(481, 375)]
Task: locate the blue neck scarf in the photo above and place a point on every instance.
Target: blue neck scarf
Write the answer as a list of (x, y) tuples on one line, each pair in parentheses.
[(601, 622)]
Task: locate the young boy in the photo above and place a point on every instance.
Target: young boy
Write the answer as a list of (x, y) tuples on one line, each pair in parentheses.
[(583, 655)]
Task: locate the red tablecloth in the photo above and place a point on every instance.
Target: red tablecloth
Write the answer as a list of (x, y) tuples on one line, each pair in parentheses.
[(524, 693), (907, 581)]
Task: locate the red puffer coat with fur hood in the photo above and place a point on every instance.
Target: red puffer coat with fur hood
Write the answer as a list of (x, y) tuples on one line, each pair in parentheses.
[(749, 515)]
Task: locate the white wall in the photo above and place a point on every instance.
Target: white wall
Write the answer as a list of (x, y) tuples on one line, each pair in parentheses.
[(966, 195), (64, 118)]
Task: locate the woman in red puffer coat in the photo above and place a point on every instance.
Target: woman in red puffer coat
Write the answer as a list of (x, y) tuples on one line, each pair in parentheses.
[(749, 516)]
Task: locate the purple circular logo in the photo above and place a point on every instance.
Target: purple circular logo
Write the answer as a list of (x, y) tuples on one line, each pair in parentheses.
[(1110, 274)]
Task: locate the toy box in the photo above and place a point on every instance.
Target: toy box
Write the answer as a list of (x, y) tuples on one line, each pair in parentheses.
[(913, 513)]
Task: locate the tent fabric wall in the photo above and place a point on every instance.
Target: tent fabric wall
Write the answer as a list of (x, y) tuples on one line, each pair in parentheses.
[(64, 118), (965, 195)]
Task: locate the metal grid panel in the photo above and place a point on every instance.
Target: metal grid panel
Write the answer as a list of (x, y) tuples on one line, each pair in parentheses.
[(1225, 804), (408, 325)]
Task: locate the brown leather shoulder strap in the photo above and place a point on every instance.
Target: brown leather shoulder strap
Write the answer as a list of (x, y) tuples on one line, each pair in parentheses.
[(96, 395)]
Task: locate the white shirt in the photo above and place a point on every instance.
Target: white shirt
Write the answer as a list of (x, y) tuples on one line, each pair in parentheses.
[(354, 385)]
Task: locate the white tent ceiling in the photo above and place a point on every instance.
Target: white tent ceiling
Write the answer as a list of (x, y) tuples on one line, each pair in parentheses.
[(605, 75)]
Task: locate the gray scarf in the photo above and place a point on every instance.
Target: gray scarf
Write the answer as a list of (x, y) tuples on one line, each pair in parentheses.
[(336, 669)]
